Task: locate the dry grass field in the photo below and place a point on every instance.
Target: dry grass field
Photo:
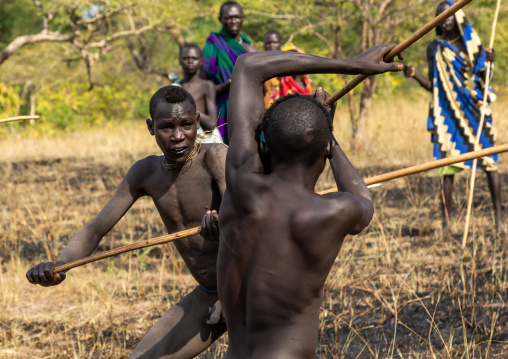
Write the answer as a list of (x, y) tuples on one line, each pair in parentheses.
[(397, 290)]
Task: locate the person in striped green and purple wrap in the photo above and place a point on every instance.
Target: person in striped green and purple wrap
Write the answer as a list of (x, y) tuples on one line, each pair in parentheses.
[(219, 57)]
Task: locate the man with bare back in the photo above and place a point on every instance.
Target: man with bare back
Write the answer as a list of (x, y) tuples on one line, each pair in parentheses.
[(203, 92), (278, 238), (186, 184)]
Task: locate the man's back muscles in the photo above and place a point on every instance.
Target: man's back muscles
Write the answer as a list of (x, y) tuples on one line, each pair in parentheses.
[(278, 238)]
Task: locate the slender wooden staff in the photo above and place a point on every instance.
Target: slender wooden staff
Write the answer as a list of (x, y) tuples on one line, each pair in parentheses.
[(480, 127), (430, 165), (403, 46), (369, 181), (19, 118), (129, 247)]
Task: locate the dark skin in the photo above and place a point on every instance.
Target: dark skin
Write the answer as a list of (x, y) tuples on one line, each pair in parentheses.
[(279, 239), (203, 91), (450, 32), (231, 19), (185, 197), (274, 42)]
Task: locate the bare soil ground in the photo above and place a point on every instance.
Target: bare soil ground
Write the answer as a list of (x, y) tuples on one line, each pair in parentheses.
[(397, 290)]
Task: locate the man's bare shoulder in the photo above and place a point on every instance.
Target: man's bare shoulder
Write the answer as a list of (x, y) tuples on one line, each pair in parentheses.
[(339, 210), (145, 167), (214, 156), (141, 173), (208, 87), (203, 83), (207, 83)]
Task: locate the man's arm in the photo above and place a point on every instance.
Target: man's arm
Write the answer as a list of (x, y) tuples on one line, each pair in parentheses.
[(215, 162), (360, 210), (246, 105), (410, 71), (88, 238), (348, 180), (209, 120)]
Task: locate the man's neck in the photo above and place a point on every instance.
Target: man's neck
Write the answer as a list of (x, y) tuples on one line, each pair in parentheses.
[(297, 175), (450, 35), (236, 37), (190, 77)]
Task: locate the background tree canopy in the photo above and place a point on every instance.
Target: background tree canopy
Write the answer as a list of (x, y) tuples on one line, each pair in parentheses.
[(81, 63)]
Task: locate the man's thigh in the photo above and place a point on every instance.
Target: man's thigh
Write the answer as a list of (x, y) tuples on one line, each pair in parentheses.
[(182, 331)]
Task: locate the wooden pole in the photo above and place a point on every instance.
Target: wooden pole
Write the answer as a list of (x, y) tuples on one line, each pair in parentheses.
[(19, 118), (369, 181), (480, 128), (430, 165), (130, 247), (403, 46)]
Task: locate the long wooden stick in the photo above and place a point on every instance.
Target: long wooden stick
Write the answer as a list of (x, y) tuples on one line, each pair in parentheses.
[(403, 46), (129, 247), (430, 165), (480, 127), (19, 118), (369, 181)]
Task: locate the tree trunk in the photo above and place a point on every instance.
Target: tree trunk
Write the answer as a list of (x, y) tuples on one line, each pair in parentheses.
[(358, 141), (352, 107)]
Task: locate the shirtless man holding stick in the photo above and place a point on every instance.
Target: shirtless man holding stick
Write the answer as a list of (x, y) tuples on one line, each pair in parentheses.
[(186, 185), (278, 238)]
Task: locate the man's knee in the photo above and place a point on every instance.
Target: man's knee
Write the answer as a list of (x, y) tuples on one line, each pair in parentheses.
[(182, 331)]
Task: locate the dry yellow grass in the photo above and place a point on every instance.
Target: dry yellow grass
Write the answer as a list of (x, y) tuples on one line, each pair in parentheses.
[(397, 290)]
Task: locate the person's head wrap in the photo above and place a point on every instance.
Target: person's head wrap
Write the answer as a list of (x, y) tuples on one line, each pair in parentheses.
[(472, 41)]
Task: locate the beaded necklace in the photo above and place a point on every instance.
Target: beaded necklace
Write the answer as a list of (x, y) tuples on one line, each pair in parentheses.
[(454, 40)]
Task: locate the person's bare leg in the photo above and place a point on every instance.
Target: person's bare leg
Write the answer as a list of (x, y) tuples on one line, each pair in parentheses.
[(182, 331), (446, 202), (495, 191)]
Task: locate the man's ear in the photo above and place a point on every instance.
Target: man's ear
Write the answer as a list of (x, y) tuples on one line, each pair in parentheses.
[(149, 124), (329, 150), (198, 118)]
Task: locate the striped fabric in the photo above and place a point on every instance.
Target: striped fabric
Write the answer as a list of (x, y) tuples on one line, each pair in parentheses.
[(457, 98), (219, 58)]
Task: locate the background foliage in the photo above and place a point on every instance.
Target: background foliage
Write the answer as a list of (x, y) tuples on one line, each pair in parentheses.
[(51, 78)]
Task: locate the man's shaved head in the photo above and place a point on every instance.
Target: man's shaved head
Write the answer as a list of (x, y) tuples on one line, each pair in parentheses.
[(297, 128), (228, 3), (170, 94), (273, 32), (191, 46)]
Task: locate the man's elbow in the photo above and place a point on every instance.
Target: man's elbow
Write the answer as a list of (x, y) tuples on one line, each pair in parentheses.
[(366, 217), (93, 234), (250, 62), (244, 61)]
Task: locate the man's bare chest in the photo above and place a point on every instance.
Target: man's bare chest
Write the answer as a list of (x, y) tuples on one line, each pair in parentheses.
[(184, 199), (196, 90)]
